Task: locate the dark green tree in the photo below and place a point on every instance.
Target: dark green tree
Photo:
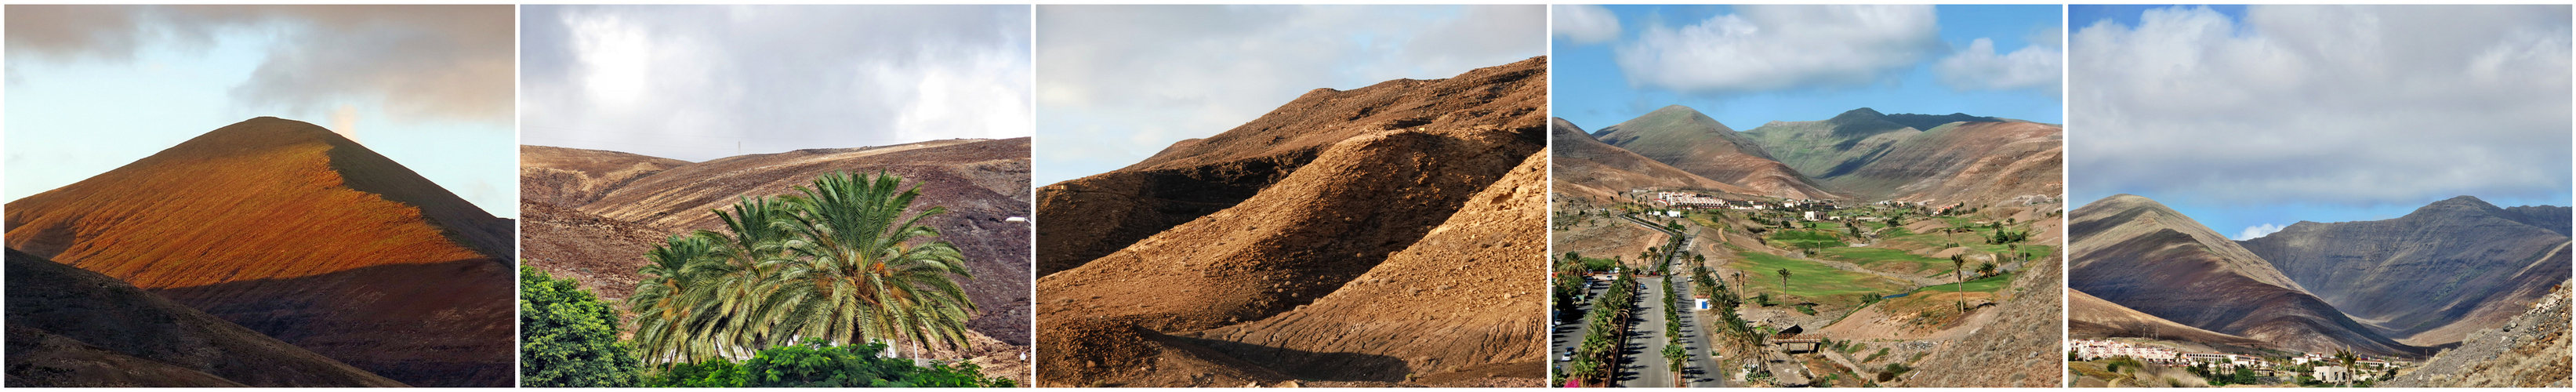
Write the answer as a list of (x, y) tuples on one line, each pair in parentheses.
[(568, 339), (817, 363)]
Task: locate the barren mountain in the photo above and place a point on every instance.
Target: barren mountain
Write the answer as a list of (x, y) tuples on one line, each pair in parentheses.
[(69, 327), (1978, 163), (1695, 143), (1100, 214), (981, 182), (574, 177), (2528, 350), (288, 229), (1586, 167), (2427, 278), (2137, 253), (2090, 317), (1349, 183)]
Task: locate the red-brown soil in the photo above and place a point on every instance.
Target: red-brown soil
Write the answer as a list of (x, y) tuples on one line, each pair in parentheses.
[(1693, 142), (1976, 163), (290, 230), (69, 327), (981, 182), (1354, 190), (2427, 278), (573, 177), (1587, 168)]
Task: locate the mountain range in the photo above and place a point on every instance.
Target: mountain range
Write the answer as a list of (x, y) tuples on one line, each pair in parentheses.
[(1374, 236), (2402, 287), (277, 227), (1860, 154)]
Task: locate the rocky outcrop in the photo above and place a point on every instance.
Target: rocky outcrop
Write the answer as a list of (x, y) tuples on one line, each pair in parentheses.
[(2526, 351), (2429, 277), (290, 230), (2139, 254)]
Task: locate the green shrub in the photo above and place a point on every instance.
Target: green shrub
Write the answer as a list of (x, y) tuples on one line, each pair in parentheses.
[(567, 338)]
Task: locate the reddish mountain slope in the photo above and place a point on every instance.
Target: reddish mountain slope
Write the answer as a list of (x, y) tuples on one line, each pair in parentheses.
[(70, 327), (2137, 253), (2421, 277), (1977, 163), (290, 230), (1587, 168), (1693, 142), (573, 177), (1094, 216), (2088, 316)]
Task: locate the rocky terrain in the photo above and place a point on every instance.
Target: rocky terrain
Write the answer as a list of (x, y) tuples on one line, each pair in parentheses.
[(1214, 263), (2137, 253), (294, 232), (69, 327), (983, 183), (2432, 276), (2017, 348), (2528, 350), (1695, 143)]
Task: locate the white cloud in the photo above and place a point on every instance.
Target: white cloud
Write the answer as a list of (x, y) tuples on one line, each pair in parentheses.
[(704, 82), (2368, 105), (1586, 24), (2035, 67), (1119, 83), (2257, 231), (420, 62), (1775, 47)]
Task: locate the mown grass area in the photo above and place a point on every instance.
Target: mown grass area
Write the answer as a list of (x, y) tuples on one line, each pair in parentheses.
[(1883, 259), (1793, 239), (1811, 281)]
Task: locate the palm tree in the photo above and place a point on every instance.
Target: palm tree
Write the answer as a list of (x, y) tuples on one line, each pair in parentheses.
[(856, 273), (2345, 357), (1676, 357), (667, 317), (747, 249), (1959, 264), (1784, 283), (1986, 269)]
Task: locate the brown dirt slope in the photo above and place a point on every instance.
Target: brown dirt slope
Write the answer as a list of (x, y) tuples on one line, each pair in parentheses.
[(2529, 350), (1091, 217), (2090, 317), (573, 177), (1082, 352), (1977, 163), (1691, 141), (1458, 300), (2137, 253), (981, 182), (1407, 155), (290, 230), (70, 327), (1587, 168), (603, 254), (2019, 347), (2420, 277)]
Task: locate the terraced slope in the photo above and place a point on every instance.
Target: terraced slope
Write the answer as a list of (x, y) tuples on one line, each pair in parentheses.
[(1404, 157), (1693, 142), (69, 327), (1585, 167), (2430, 277), (2137, 253), (290, 230), (574, 177), (1100, 214)]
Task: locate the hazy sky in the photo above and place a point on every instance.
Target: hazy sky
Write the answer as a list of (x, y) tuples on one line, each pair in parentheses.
[(91, 88), (704, 82), (1119, 83), (2253, 118), (1749, 65)]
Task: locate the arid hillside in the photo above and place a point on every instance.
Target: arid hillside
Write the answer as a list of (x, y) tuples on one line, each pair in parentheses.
[(69, 327), (2528, 350), (290, 230), (2139, 254), (1695, 143), (1313, 201), (2427, 278), (1587, 168), (983, 183), (574, 177), (2090, 317)]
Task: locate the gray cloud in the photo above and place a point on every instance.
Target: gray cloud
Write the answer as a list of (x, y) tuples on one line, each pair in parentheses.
[(2351, 106), (1776, 47), (1121, 82), (690, 82), (422, 62)]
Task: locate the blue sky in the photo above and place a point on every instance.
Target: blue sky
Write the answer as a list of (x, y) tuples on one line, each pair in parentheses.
[(2250, 118), (1119, 83), (1595, 86), (80, 104)]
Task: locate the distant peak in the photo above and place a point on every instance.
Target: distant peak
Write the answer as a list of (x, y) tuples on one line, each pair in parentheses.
[(2461, 204), (1860, 114), (1674, 109)]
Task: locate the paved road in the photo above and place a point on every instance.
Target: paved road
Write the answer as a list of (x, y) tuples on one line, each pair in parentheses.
[(1645, 366), (1703, 371)]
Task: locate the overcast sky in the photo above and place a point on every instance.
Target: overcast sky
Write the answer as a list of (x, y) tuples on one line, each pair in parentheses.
[(2253, 118), (1753, 64), (704, 82), (91, 88), (1120, 83)]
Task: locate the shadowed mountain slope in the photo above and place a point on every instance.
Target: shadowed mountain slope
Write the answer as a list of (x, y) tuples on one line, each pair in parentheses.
[(69, 327), (1586, 167), (2430, 277), (290, 230), (2137, 253)]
